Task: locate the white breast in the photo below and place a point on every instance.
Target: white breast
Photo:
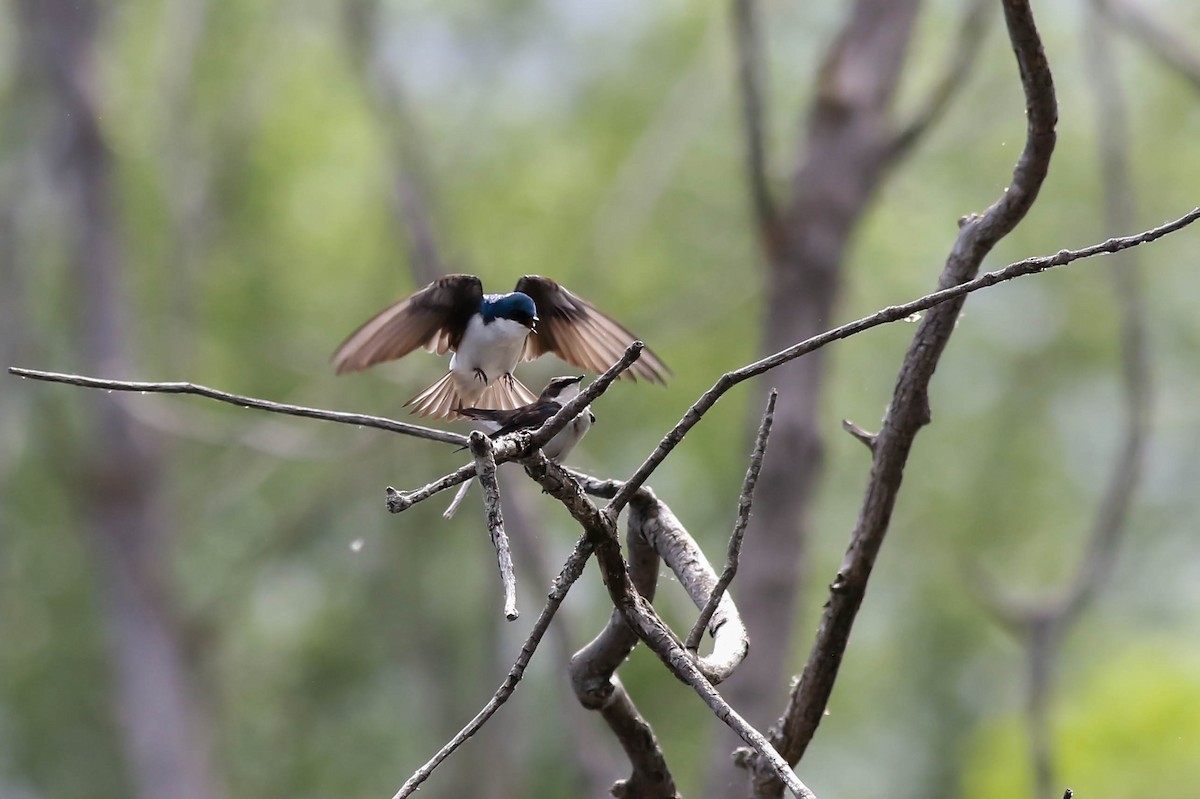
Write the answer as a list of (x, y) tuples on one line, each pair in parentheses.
[(493, 348), (565, 440)]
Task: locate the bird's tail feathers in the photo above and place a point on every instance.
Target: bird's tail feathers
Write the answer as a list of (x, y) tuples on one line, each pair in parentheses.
[(506, 394), (443, 401), (439, 400)]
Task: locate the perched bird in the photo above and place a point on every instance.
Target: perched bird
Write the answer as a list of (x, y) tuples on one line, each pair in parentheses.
[(558, 392), (489, 335)]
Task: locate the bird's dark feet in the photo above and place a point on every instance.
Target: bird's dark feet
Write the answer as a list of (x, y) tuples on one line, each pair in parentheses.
[(481, 376)]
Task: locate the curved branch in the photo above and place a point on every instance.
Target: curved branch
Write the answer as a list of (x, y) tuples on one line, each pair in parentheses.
[(639, 614), (909, 408), (1043, 624), (625, 490), (652, 522)]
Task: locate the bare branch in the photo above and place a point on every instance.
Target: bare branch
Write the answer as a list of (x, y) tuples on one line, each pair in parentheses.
[(459, 495), (485, 466), (400, 501), (570, 573), (1042, 624), (621, 492), (358, 419), (739, 527), (652, 525), (640, 615), (651, 777), (520, 443), (967, 44), (980, 226), (909, 408), (865, 437), (748, 45), (605, 489), (567, 413), (656, 536), (590, 753)]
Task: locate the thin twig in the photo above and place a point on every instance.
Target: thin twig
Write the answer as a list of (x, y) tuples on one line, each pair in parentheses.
[(567, 413), (1043, 624), (653, 524), (485, 466), (866, 437), (893, 313), (909, 409), (516, 445), (739, 528), (400, 501), (571, 571), (590, 756), (459, 495), (361, 420), (600, 527)]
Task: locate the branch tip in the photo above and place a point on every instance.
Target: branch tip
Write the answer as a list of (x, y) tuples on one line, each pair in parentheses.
[(866, 438), (485, 468), (397, 501)]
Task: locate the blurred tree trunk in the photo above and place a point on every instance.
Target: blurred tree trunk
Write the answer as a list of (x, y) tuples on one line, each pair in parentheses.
[(118, 474), (849, 144)]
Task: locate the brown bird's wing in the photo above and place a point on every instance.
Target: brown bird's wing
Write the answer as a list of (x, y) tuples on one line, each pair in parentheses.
[(434, 318), (574, 330)]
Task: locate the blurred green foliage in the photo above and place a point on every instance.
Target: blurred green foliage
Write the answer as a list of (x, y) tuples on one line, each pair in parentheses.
[(339, 646)]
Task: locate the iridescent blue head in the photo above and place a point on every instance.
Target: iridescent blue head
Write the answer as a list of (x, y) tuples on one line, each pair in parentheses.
[(515, 306)]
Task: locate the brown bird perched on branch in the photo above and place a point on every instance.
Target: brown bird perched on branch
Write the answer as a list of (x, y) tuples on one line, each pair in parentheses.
[(558, 392)]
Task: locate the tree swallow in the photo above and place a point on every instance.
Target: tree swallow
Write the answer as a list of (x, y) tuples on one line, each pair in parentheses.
[(489, 334), (558, 392)]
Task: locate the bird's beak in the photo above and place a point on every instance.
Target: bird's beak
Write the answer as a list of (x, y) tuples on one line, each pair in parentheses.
[(533, 324)]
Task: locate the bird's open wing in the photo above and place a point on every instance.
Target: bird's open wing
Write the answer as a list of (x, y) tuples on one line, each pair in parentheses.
[(574, 330), (434, 318)]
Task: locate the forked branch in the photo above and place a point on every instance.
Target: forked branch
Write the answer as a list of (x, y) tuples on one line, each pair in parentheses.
[(909, 409)]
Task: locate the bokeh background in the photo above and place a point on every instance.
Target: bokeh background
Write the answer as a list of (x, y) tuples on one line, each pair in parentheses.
[(261, 157)]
